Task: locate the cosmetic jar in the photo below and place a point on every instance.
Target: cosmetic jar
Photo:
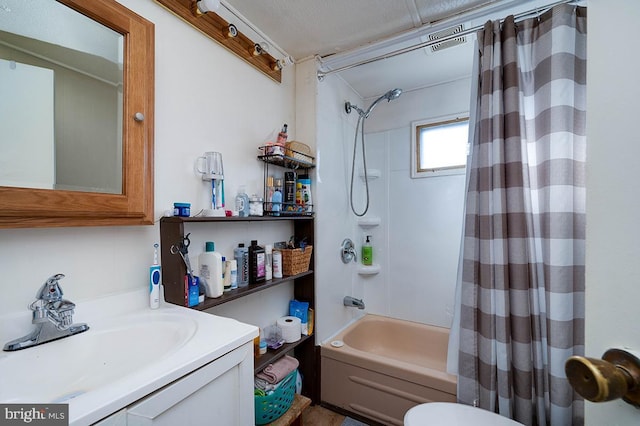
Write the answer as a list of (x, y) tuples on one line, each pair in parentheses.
[(182, 209)]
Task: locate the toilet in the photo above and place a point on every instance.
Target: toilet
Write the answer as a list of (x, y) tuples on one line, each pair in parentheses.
[(452, 414)]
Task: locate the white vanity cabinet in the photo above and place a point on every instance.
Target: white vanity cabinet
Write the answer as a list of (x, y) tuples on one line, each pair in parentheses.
[(220, 392)]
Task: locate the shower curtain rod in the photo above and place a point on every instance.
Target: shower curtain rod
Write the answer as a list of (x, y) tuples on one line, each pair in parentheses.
[(533, 12)]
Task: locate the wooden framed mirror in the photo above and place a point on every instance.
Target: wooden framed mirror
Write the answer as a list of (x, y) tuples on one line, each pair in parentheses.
[(128, 201)]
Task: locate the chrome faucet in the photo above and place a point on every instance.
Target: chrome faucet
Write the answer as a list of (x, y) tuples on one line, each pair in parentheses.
[(353, 302), (52, 316)]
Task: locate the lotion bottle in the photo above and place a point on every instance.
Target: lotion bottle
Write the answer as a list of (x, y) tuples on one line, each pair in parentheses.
[(277, 263), (367, 252), (210, 262), (268, 250), (154, 280)]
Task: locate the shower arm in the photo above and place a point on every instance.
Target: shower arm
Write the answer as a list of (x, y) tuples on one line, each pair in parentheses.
[(389, 96), (385, 96)]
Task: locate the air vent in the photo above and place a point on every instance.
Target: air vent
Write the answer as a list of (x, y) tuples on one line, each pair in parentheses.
[(447, 33)]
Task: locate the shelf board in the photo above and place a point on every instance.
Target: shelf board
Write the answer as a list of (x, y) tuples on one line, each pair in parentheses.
[(367, 222), (272, 356), (178, 219), (369, 269), (245, 291)]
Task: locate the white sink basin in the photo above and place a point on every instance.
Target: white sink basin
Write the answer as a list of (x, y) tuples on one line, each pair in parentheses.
[(127, 353), (109, 350)]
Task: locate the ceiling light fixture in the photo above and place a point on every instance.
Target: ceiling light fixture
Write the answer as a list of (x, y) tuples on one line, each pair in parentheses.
[(260, 48), (284, 62), (204, 6)]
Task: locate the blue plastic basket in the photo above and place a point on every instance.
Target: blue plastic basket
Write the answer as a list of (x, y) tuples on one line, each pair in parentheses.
[(271, 407)]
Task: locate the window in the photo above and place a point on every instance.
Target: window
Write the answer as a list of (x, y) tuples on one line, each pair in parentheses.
[(439, 147)]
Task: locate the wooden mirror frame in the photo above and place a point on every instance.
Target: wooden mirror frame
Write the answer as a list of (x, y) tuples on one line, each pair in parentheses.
[(26, 207)]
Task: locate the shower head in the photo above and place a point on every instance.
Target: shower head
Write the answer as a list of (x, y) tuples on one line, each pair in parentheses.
[(393, 94), (389, 96)]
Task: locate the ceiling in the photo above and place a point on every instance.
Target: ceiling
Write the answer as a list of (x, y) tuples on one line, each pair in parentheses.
[(342, 31)]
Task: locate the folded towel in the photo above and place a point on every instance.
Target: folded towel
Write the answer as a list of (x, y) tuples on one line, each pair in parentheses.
[(263, 385), (277, 371)]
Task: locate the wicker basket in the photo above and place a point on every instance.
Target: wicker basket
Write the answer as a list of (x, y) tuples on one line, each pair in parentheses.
[(296, 261), (270, 407), (299, 151)]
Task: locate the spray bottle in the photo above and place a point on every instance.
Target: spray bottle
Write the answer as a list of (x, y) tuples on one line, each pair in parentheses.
[(154, 280)]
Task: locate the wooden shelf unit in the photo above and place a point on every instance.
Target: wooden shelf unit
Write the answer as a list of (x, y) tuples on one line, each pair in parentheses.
[(174, 270)]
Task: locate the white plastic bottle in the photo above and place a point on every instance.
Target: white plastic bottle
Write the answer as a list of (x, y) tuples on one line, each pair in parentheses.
[(242, 202), (268, 251), (234, 274), (277, 264), (210, 262), (226, 264)]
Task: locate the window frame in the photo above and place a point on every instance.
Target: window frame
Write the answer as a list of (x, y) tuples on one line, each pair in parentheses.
[(416, 127)]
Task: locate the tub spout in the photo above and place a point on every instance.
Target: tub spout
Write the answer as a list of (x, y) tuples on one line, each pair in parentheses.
[(353, 302)]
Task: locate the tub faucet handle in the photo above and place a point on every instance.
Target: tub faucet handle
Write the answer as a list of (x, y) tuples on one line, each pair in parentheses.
[(348, 251)]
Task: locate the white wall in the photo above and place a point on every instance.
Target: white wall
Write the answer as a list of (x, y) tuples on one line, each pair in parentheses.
[(334, 222), (207, 99), (418, 242), (613, 191)]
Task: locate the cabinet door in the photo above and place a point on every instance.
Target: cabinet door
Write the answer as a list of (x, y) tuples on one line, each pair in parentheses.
[(221, 393)]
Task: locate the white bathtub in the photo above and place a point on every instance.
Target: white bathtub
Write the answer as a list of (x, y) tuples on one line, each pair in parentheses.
[(386, 366)]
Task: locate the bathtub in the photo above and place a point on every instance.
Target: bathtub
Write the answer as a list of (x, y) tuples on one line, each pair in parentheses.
[(384, 367)]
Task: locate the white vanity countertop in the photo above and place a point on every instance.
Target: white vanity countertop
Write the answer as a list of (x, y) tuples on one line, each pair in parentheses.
[(99, 372)]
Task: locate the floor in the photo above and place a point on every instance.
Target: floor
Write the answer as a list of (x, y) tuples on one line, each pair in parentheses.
[(316, 415)]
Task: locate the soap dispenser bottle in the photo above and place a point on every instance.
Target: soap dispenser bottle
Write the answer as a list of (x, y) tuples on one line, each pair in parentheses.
[(367, 252)]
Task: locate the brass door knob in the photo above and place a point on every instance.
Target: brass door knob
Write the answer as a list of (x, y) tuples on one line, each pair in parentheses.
[(616, 375)]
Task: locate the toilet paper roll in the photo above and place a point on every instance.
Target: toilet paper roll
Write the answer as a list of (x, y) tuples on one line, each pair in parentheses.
[(290, 328)]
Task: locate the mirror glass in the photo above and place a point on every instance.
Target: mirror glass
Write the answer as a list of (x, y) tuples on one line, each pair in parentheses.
[(61, 99)]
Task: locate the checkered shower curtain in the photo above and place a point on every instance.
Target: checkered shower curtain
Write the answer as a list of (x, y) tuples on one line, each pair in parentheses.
[(522, 286)]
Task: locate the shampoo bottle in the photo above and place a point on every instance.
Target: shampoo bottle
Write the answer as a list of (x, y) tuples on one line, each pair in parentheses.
[(367, 252), (257, 261), (210, 262), (154, 280), (241, 254), (305, 180), (276, 198)]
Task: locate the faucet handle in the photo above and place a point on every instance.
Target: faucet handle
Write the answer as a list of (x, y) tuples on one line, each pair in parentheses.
[(50, 290)]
